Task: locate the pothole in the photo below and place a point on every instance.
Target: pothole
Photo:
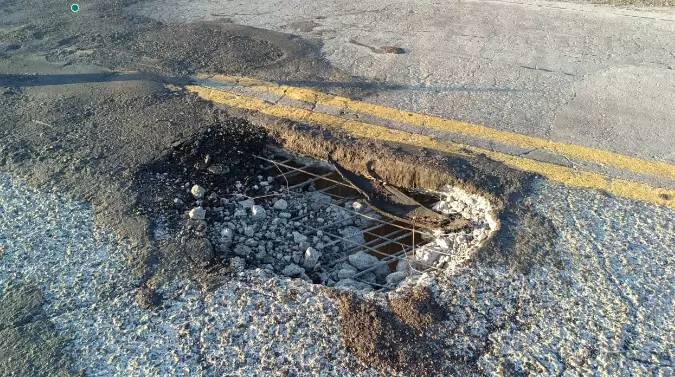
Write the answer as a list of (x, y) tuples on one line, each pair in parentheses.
[(297, 217)]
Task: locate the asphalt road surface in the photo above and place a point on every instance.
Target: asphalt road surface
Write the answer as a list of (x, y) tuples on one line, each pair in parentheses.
[(570, 105)]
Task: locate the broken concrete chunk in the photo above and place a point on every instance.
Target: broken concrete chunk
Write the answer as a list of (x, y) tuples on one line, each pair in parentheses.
[(293, 270), (396, 277), (197, 213), (352, 237), (197, 191), (280, 205), (347, 272), (258, 213), (362, 261), (312, 256)]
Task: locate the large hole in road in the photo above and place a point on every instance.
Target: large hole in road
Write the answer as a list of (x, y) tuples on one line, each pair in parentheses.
[(243, 204)]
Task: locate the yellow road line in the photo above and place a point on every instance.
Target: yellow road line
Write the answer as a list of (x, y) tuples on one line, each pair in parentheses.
[(576, 152), (619, 187)]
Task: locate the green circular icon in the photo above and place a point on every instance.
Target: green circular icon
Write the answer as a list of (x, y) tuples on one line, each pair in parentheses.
[(75, 8)]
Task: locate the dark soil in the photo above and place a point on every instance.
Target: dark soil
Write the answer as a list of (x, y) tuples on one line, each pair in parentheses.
[(418, 310), (215, 159), (396, 340), (380, 339)]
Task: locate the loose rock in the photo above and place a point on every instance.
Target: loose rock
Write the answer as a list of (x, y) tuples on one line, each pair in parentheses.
[(242, 250), (247, 204), (280, 205), (311, 257), (347, 272), (362, 261), (395, 277), (299, 238), (197, 191), (197, 213), (258, 213), (218, 169), (293, 270)]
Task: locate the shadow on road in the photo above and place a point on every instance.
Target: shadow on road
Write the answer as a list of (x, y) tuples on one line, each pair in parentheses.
[(84, 78)]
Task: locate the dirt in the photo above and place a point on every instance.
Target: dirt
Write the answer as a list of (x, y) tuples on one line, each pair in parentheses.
[(216, 159), (417, 309), (394, 338)]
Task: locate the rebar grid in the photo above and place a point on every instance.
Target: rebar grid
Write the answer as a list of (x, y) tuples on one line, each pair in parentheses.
[(374, 245)]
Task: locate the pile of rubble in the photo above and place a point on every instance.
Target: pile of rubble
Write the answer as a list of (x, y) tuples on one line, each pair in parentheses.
[(308, 234)]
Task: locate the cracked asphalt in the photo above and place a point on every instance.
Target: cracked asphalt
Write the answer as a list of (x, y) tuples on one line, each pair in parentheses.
[(597, 299)]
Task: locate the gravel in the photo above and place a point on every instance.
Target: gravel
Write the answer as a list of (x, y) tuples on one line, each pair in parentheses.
[(293, 270)]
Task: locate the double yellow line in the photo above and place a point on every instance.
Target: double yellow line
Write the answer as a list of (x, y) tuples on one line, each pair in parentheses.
[(579, 178)]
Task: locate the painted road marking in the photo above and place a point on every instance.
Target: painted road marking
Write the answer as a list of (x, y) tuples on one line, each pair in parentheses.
[(618, 187), (575, 152)]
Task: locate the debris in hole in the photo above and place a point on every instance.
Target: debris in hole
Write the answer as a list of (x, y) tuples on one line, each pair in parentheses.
[(389, 201), (296, 217), (197, 213), (197, 191)]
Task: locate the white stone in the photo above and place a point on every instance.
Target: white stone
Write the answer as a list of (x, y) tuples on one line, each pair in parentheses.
[(198, 191), (258, 213), (444, 243), (280, 205), (312, 256), (427, 255), (358, 206), (197, 213), (362, 261)]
